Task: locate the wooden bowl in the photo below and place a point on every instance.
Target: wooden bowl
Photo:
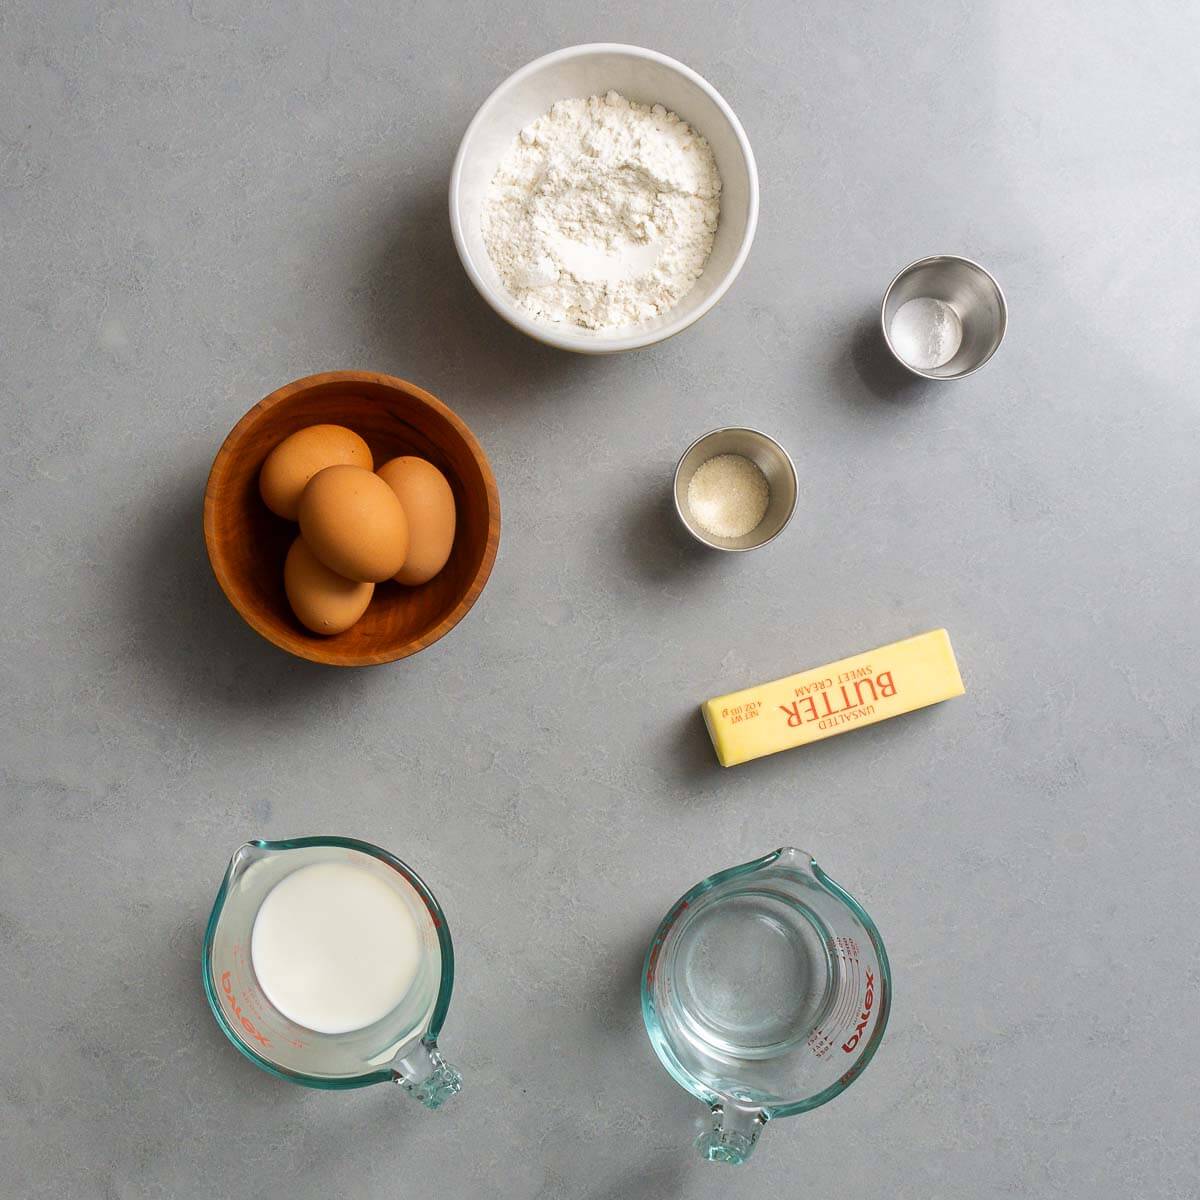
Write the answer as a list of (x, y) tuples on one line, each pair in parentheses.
[(247, 543)]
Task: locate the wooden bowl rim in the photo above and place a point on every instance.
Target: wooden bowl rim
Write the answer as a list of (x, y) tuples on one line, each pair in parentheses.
[(313, 651)]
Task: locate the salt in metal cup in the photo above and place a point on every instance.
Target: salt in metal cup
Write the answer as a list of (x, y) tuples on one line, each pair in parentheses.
[(968, 289)]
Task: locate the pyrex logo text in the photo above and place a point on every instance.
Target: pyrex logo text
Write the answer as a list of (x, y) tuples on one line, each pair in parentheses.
[(864, 1016), (247, 1025)]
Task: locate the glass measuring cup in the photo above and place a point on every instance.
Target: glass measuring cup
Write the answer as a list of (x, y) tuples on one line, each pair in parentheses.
[(765, 993), (401, 1046)]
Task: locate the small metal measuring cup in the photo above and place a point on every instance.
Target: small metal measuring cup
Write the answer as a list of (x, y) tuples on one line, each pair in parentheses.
[(770, 458), (970, 291)]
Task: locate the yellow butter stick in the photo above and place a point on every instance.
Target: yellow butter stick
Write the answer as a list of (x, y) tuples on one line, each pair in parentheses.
[(824, 701)]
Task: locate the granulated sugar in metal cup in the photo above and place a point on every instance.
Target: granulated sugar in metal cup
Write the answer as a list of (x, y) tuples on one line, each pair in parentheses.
[(768, 460)]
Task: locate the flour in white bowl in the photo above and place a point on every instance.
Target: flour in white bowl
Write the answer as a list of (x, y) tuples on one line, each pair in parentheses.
[(602, 213)]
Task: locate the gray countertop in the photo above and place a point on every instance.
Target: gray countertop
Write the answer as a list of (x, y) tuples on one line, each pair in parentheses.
[(199, 202)]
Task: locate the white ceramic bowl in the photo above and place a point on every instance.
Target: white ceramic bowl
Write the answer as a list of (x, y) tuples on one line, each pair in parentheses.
[(638, 74)]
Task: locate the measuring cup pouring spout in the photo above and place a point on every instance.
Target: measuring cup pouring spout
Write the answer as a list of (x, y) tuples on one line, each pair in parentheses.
[(765, 993), (397, 1041)]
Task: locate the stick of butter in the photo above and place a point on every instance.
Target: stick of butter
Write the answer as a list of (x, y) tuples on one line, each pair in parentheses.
[(816, 704)]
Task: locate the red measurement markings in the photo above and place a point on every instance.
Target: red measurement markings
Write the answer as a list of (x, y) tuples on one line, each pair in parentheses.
[(825, 1036), (847, 1000), (819, 1042)]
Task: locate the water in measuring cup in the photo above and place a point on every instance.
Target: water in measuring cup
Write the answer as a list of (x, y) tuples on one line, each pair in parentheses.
[(334, 947), (752, 975)]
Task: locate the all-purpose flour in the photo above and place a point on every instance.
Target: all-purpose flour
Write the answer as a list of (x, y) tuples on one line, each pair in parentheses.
[(602, 213)]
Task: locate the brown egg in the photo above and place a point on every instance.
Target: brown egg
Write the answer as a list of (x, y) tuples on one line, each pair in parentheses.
[(298, 458), (428, 503), (322, 600), (354, 524)]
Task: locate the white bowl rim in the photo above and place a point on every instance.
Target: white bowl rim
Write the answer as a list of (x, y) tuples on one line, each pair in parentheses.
[(552, 335)]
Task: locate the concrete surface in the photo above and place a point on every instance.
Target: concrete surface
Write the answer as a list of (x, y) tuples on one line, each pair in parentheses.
[(199, 202)]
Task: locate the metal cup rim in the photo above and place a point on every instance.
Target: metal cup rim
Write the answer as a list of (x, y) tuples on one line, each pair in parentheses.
[(921, 262), (686, 523)]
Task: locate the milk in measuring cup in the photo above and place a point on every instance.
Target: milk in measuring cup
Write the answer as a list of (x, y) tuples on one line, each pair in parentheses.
[(334, 948)]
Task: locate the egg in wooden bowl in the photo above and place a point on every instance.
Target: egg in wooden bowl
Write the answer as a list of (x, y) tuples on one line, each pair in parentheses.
[(248, 544)]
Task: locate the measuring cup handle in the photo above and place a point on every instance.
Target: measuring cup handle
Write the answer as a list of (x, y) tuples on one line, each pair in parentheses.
[(425, 1074), (734, 1134)]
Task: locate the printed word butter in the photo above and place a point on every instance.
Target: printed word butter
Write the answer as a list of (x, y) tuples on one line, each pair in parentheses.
[(816, 704)]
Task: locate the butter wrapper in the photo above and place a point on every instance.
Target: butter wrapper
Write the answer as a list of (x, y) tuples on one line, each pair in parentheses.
[(829, 700)]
